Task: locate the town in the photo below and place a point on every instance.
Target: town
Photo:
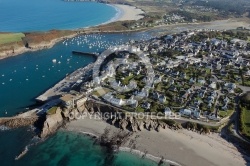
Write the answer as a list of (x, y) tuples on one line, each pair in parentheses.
[(193, 77), (198, 80), (187, 73)]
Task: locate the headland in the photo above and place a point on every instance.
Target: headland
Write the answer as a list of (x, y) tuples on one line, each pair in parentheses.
[(168, 142), (192, 110)]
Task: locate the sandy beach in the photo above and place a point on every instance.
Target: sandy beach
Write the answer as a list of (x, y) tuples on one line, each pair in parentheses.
[(183, 147), (128, 12)]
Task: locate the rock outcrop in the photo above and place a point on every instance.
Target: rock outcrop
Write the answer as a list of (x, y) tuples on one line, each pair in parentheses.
[(123, 124), (52, 123), (136, 125), (16, 122)]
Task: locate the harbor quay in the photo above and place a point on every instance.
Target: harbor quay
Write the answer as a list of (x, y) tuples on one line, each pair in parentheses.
[(65, 85)]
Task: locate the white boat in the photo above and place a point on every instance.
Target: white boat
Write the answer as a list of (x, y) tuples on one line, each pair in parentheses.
[(54, 60), (59, 62)]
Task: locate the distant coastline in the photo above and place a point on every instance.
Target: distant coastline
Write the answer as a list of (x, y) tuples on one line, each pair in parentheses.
[(123, 12)]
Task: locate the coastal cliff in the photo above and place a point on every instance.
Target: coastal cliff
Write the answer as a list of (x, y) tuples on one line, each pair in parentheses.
[(52, 123), (129, 122), (34, 41)]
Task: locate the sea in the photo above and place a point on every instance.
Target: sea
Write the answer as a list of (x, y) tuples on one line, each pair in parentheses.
[(44, 15), (26, 76)]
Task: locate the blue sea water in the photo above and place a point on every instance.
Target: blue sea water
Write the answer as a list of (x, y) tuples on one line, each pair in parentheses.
[(43, 15), (28, 75)]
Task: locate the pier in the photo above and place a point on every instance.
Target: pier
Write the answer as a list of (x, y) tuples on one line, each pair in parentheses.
[(95, 55)]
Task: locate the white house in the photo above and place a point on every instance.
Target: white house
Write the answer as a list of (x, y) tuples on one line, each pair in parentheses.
[(213, 85), (132, 102), (167, 111), (186, 112)]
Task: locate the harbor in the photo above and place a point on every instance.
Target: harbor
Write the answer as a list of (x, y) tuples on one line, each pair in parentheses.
[(70, 82)]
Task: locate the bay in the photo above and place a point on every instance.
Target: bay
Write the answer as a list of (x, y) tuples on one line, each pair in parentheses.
[(44, 15)]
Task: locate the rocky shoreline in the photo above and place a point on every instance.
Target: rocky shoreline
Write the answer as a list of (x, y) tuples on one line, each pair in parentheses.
[(32, 47), (167, 144), (125, 130)]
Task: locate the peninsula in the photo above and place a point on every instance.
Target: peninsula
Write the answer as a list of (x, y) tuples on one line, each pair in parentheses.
[(154, 90), (180, 98)]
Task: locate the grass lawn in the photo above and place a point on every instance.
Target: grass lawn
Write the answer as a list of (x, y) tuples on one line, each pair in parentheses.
[(10, 37), (100, 92), (207, 71), (247, 83), (245, 122), (121, 96), (224, 114), (127, 79), (159, 87), (139, 109), (52, 110)]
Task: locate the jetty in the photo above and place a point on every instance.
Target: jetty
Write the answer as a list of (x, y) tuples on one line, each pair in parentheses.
[(95, 55), (22, 153)]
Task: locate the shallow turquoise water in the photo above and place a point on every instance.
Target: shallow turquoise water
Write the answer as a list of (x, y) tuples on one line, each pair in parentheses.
[(42, 15), (68, 148)]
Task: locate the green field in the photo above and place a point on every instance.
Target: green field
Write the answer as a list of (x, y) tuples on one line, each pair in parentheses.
[(10, 37), (245, 122), (224, 114)]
